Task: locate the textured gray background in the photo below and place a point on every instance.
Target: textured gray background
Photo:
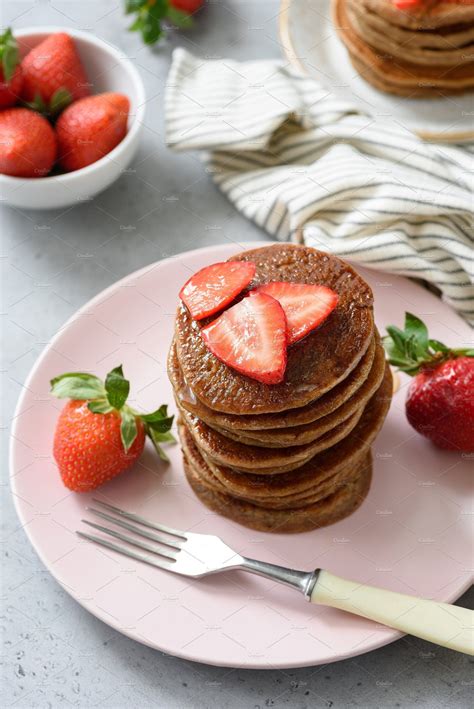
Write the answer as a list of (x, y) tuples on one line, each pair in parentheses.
[(55, 653)]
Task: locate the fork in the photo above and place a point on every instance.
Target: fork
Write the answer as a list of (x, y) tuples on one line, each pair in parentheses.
[(196, 555)]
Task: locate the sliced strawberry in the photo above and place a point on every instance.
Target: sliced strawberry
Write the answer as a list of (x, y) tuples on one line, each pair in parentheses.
[(305, 306), (213, 287), (251, 338)]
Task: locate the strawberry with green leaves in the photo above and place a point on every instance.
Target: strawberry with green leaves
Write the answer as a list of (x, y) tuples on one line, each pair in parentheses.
[(53, 74), (440, 401), (151, 15), (11, 76), (98, 435)]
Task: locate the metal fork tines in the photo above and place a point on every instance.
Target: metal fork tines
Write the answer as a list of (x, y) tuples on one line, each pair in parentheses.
[(186, 553), (168, 546)]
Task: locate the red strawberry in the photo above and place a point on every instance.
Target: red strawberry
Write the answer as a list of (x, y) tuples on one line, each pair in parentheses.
[(440, 402), (53, 74), (188, 6), (305, 306), (406, 4), (27, 143), (213, 287), (11, 77), (88, 448), (97, 434), (151, 15), (90, 128), (251, 338)]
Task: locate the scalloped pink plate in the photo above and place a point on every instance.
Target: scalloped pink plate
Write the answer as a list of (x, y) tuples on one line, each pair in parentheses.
[(410, 535)]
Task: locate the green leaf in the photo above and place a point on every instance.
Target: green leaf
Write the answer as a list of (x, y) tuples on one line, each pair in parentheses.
[(157, 415), (117, 387), (157, 438), (160, 425), (417, 332), (134, 5), (77, 385), (398, 338), (151, 31), (128, 429), (9, 54), (38, 104), (59, 100), (99, 406), (164, 437), (437, 346), (179, 19), (136, 25)]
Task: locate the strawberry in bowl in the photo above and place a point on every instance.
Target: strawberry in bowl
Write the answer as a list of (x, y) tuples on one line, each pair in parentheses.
[(100, 89)]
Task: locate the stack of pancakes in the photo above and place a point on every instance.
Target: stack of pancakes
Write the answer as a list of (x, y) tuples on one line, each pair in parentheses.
[(426, 51), (294, 456)]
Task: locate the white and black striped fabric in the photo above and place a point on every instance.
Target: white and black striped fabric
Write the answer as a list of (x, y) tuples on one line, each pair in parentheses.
[(301, 163)]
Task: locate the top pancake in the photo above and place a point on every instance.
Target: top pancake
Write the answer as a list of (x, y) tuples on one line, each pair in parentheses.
[(316, 363), (425, 47), (397, 75), (428, 16)]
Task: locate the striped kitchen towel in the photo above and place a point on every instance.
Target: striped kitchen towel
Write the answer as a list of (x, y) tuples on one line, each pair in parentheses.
[(304, 165)]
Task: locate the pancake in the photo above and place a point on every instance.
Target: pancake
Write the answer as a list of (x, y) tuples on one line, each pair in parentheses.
[(323, 485), (396, 75), (371, 366), (250, 458), (408, 45), (453, 36), (299, 519), (383, 84), (316, 364), (300, 435), (296, 435), (429, 16), (321, 467)]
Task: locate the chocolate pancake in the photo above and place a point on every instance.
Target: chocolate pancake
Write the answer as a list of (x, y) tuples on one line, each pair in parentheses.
[(307, 433), (371, 367), (331, 509), (383, 84), (322, 486), (442, 38), (321, 467), (428, 16), (410, 45), (316, 364), (396, 75), (249, 458)]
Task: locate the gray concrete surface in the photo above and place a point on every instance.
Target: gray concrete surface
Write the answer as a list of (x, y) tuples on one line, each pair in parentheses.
[(55, 653)]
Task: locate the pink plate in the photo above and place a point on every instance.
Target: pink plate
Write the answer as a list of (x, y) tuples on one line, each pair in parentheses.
[(410, 535)]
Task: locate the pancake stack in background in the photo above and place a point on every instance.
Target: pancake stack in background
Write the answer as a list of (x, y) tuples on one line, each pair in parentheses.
[(424, 50), (293, 456)]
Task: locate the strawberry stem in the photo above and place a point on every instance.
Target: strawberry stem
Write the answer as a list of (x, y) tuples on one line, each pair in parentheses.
[(412, 350), (9, 54), (111, 395)]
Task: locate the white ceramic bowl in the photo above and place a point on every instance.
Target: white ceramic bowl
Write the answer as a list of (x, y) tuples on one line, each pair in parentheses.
[(108, 69)]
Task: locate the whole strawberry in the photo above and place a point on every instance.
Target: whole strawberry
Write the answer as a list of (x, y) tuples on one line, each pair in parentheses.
[(27, 143), (90, 128), (440, 401), (11, 76), (153, 16), (98, 435), (53, 74)]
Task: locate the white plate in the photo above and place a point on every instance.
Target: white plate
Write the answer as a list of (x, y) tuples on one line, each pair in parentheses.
[(310, 42), (411, 534)]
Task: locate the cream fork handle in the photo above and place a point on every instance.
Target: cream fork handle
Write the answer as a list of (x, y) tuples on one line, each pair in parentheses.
[(441, 623)]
